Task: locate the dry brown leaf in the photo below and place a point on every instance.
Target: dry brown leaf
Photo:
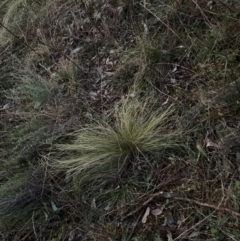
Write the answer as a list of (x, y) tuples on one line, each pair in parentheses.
[(109, 73), (146, 214), (157, 211), (93, 94), (169, 236), (108, 62), (169, 221), (93, 204), (166, 101), (173, 81), (210, 143)]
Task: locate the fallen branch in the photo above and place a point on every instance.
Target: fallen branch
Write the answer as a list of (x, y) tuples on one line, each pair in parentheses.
[(233, 213), (168, 195)]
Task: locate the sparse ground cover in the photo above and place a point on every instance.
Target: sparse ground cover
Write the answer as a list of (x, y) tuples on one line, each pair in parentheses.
[(119, 120)]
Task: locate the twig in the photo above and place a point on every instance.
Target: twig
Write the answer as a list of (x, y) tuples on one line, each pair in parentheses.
[(70, 201), (34, 230), (203, 14), (161, 22), (197, 224), (134, 227), (167, 195), (217, 208), (169, 96), (28, 46), (224, 4), (194, 226)]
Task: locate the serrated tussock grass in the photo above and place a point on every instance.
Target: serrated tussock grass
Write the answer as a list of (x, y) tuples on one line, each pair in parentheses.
[(138, 128), (16, 17), (33, 87)]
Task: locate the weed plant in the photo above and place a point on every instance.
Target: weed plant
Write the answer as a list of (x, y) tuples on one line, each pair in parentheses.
[(138, 128), (17, 16), (31, 86)]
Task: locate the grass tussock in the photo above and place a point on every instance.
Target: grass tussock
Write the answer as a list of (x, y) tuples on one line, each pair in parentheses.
[(17, 15), (33, 87), (138, 128)]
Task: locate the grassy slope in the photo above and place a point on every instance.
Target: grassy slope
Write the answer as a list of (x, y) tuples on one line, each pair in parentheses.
[(84, 150)]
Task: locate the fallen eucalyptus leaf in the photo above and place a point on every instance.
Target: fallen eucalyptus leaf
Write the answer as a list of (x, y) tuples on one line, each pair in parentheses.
[(166, 101), (46, 216), (194, 234), (173, 81), (54, 207), (146, 214), (6, 106), (71, 235), (107, 207), (169, 221), (93, 204), (169, 236), (166, 194), (210, 143), (157, 211), (92, 94), (76, 50), (174, 69)]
